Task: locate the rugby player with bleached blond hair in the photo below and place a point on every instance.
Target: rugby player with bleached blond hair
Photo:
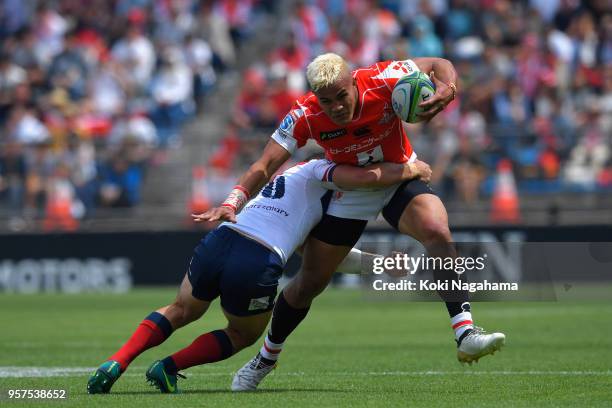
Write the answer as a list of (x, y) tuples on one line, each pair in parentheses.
[(350, 115)]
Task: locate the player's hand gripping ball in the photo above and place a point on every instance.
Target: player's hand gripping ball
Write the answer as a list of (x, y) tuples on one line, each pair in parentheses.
[(408, 93)]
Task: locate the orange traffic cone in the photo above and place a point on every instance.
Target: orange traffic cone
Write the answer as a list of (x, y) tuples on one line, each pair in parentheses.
[(505, 201), (59, 209), (199, 191)]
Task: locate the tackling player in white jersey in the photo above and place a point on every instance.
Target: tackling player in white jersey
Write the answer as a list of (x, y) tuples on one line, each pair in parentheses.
[(241, 262)]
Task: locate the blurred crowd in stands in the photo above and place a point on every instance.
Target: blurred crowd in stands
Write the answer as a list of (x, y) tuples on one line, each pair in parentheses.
[(535, 85), (92, 93)]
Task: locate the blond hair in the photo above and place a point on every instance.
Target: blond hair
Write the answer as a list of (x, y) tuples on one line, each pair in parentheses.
[(325, 70)]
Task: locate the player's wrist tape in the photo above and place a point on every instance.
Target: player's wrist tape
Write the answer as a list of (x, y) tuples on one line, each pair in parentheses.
[(237, 198)]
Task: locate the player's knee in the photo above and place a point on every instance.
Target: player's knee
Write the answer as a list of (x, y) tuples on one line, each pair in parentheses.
[(304, 290), (435, 233), (241, 338), (184, 313)]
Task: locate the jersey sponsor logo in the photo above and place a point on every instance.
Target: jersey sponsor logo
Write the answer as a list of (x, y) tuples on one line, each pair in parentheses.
[(274, 189), (267, 208), (396, 69), (261, 303), (403, 66), (289, 121), (364, 143), (333, 134), (362, 131)]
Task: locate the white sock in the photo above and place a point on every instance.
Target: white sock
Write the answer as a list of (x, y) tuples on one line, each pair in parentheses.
[(461, 322), (270, 350)]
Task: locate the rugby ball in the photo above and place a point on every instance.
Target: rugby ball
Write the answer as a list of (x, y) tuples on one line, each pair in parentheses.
[(408, 93)]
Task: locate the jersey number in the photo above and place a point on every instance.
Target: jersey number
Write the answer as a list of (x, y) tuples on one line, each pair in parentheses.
[(275, 189), (371, 156)]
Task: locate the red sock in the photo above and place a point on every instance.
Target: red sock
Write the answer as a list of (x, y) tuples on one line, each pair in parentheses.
[(208, 348), (151, 332)]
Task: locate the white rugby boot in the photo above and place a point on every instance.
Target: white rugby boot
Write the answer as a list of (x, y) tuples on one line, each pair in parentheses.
[(477, 344), (251, 374)]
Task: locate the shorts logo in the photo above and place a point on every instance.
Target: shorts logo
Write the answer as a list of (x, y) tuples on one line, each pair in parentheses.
[(261, 303), (333, 134)]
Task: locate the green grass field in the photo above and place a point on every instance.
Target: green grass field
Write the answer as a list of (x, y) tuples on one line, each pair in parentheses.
[(348, 352)]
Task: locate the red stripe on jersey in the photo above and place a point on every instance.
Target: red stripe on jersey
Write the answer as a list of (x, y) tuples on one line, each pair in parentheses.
[(325, 175)]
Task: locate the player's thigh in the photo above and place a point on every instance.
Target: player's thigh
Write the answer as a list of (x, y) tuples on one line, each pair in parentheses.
[(417, 211), (425, 219), (191, 306), (328, 244), (320, 261), (207, 265), (245, 330)]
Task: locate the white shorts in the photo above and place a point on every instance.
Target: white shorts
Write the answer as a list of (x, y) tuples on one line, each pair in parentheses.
[(360, 204)]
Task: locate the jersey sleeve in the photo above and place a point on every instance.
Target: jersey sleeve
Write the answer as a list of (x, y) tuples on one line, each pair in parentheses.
[(323, 170), (292, 133), (392, 71)]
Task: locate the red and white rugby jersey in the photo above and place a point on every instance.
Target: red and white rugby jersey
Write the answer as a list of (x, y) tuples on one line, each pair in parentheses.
[(374, 135), (287, 208)]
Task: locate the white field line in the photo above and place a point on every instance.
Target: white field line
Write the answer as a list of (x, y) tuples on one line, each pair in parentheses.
[(33, 372)]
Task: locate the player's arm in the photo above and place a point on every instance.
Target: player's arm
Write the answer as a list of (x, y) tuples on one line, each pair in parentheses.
[(444, 76), (260, 172), (379, 174)]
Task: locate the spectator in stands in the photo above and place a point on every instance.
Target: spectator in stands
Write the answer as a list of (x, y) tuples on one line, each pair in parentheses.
[(120, 182), (424, 42), (108, 88), (12, 175), (136, 54), (216, 31), (68, 69), (172, 92), (199, 58), (11, 75)]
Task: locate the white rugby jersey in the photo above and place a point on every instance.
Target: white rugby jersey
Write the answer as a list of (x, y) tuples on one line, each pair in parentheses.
[(287, 208)]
